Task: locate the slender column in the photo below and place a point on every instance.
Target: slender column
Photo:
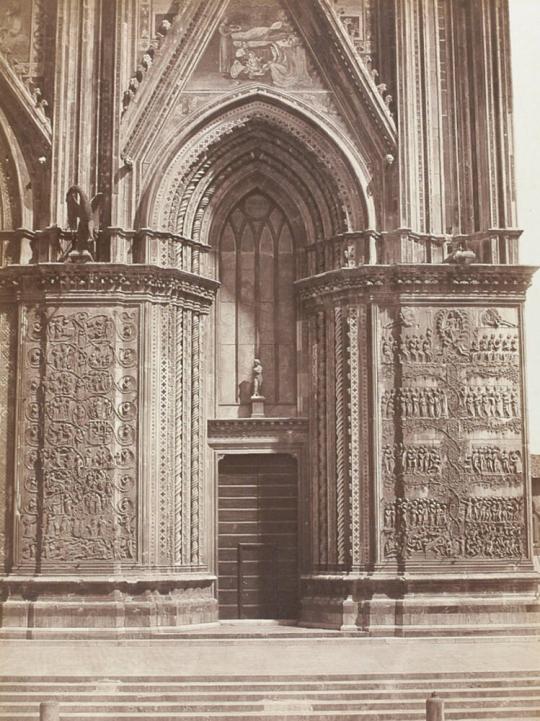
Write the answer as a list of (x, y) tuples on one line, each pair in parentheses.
[(419, 116)]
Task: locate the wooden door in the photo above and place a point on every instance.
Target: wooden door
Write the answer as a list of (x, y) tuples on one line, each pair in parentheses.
[(257, 540)]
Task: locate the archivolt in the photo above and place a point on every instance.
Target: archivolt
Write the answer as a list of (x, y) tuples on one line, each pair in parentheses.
[(10, 195), (267, 141)]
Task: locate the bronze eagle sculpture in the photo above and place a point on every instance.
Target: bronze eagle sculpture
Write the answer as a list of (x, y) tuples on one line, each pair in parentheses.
[(83, 217)]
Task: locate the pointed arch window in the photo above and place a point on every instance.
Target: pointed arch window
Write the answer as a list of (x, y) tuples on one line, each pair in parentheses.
[(256, 315)]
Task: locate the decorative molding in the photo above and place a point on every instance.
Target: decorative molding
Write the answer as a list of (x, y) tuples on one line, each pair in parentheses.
[(342, 495), (102, 279), (8, 389), (353, 426), (171, 197), (435, 280), (255, 427)]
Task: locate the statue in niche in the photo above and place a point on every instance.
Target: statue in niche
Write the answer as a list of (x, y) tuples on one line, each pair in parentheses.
[(83, 217), (257, 379)]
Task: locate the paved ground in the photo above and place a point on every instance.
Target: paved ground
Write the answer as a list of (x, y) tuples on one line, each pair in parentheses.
[(273, 655)]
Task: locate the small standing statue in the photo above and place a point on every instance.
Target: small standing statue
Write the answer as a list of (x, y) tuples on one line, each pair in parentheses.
[(257, 379), (349, 255), (257, 398), (83, 216)]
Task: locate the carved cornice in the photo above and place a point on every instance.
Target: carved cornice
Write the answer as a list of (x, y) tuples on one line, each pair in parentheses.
[(424, 279), (257, 427), (104, 279)]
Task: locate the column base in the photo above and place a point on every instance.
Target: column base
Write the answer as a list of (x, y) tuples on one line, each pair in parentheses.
[(422, 606), (103, 607)]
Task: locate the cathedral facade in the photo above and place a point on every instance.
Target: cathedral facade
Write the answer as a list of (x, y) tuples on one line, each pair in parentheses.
[(261, 318)]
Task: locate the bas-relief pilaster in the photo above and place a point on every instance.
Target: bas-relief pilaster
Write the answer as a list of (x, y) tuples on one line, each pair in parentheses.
[(109, 482), (77, 476), (8, 349), (451, 459), (424, 417)]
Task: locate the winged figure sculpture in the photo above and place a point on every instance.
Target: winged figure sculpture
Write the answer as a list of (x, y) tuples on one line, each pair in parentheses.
[(83, 216)]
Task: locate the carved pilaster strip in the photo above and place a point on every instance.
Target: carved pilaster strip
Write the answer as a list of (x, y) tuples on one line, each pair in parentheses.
[(354, 431), (154, 332), (7, 398), (321, 422), (195, 443), (313, 418), (79, 400), (186, 415), (341, 461), (364, 491), (164, 468), (178, 430), (330, 439)]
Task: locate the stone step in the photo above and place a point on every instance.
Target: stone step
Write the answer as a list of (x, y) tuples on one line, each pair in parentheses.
[(180, 687), (494, 712), (268, 704), (368, 697), (505, 678), (312, 677), (225, 695)]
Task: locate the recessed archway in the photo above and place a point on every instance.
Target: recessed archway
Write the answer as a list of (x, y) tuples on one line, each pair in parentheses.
[(257, 133)]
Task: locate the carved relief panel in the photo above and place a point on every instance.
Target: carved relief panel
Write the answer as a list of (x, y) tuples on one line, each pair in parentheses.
[(451, 454), (77, 478)]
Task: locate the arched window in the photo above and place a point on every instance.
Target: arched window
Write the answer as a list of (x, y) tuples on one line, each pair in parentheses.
[(256, 315)]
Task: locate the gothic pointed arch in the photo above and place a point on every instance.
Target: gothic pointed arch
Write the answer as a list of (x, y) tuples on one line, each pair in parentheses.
[(257, 134)]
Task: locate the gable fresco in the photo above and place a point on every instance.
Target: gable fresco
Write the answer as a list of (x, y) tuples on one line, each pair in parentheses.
[(15, 20), (256, 41)]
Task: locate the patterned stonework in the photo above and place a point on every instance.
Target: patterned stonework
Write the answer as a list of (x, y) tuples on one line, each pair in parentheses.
[(451, 418), (7, 419), (78, 435)]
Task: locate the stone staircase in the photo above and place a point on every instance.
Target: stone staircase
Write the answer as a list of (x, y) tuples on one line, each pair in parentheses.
[(370, 697)]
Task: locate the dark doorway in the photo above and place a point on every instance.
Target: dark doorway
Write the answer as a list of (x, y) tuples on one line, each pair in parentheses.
[(257, 546)]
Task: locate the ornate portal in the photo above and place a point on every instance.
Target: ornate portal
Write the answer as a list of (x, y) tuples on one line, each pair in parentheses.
[(287, 381)]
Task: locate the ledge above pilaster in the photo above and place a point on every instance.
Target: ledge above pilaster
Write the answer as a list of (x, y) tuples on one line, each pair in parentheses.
[(28, 282), (477, 280)]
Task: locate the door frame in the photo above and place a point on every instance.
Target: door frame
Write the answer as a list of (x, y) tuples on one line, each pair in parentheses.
[(290, 439)]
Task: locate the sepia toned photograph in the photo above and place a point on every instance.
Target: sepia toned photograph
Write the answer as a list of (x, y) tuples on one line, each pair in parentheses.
[(269, 360)]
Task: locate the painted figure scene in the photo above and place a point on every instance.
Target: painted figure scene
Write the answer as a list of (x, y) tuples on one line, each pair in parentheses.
[(255, 42)]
